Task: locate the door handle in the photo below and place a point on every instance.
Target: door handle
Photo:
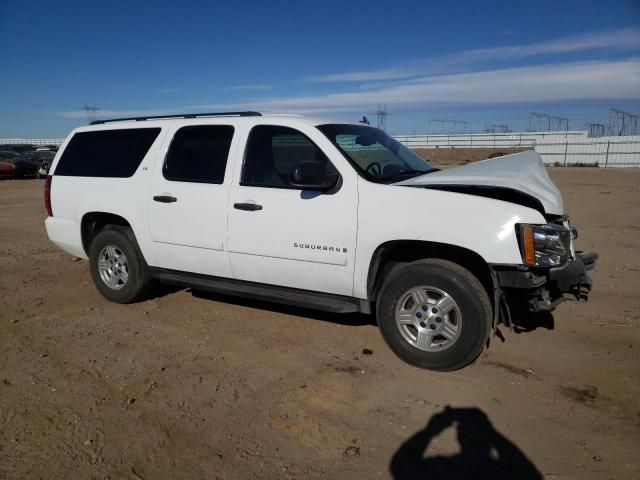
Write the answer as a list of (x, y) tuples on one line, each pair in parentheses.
[(165, 198), (250, 207)]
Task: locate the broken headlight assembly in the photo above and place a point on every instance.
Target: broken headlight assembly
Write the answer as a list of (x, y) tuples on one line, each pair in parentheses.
[(545, 245)]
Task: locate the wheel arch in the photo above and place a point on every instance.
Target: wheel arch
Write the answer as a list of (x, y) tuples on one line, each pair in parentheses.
[(93, 222), (395, 253)]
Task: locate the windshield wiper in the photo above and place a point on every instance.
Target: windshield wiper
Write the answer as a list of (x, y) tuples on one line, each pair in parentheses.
[(408, 171)]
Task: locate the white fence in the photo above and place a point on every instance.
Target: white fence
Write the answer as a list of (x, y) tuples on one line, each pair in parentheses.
[(31, 141), (555, 148)]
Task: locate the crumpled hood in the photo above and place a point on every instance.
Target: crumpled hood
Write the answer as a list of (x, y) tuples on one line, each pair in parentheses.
[(522, 171)]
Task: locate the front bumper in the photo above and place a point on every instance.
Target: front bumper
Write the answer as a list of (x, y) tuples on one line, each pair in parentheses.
[(546, 288), (572, 278)]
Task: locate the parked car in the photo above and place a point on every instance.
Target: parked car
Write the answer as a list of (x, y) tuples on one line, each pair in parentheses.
[(329, 215), (7, 169), (8, 155), (18, 147), (28, 164)]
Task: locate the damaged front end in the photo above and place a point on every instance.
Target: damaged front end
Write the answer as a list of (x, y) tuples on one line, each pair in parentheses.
[(545, 288), (552, 270)]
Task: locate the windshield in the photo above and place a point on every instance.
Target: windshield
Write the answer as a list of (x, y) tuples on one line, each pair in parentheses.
[(374, 154)]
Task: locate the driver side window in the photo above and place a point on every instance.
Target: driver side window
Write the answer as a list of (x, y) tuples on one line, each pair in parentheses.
[(273, 152)]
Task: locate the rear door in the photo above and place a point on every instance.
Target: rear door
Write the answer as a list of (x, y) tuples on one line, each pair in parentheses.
[(280, 234), (188, 200)]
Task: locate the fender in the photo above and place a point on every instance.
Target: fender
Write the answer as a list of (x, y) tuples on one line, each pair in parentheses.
[(484, 226)]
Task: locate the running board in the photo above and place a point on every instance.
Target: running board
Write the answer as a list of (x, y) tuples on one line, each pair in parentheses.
[(288, 296)]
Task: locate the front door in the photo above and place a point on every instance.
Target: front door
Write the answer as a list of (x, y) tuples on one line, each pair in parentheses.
[(283, 235)]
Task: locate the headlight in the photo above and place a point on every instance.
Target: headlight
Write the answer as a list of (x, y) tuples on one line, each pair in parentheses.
[(545, 245)]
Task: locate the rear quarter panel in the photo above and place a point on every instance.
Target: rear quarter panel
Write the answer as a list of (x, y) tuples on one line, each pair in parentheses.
[(73, 197)]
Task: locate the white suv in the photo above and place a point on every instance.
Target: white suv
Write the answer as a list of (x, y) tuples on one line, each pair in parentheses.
[(322, 214)]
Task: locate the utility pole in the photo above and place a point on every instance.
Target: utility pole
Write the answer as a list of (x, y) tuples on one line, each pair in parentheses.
[(90, 111), (382, 116), (444, 121), (560, 121), (534, 117), (497, 128), (622, 122), (596, 129)]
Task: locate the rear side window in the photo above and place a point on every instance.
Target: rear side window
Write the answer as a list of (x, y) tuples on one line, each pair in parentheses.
[(106, 153), (199, 154), (273, 152)]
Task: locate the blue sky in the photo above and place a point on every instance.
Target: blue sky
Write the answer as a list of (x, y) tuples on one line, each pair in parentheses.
[(484, 62)]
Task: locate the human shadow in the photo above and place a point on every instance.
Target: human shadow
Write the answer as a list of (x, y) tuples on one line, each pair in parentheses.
[(484, 452)]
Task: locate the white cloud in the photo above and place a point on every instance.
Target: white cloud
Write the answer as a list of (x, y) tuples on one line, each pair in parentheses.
[(253, 86), (374, 75), (109, 113), (542, 83), (553, 82), (624, 39), (166, 91), (628, 38)]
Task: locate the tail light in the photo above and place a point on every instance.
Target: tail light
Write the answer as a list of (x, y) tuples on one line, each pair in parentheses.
[(47, 195)]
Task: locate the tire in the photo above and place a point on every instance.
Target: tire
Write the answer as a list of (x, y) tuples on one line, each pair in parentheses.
[(434, 314), (112, 244)]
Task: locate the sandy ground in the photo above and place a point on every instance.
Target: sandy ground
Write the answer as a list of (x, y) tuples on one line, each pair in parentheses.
[(446, 157), (191, 385)]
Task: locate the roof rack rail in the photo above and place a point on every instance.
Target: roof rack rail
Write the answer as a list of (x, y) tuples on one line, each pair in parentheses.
[(181, 115)]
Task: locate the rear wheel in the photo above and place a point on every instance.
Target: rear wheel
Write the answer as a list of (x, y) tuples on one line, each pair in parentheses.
[(434, 314), (118, 269)]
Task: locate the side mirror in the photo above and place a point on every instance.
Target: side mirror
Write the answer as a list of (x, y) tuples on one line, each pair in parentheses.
[(313, 176)]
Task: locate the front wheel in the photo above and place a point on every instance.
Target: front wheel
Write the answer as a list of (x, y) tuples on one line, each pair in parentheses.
[(118, 268), (434, 314)]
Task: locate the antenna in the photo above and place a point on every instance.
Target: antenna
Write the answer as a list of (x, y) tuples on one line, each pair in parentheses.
[(90, 111)]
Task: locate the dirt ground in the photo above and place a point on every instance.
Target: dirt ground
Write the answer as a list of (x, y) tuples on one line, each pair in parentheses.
[(445, 157), (191, 385)]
